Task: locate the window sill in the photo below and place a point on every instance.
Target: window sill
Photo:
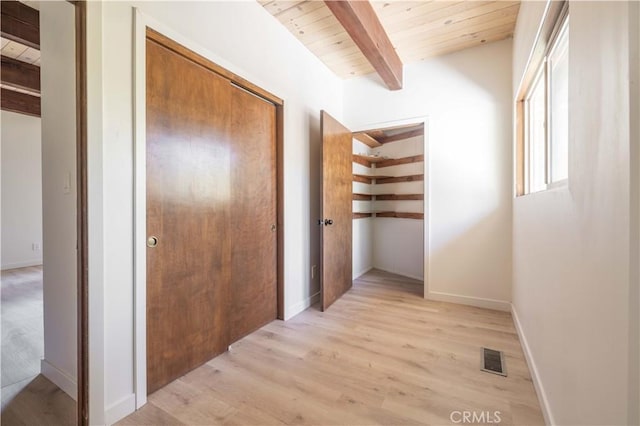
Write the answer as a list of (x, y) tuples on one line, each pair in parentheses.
[(551, 187)]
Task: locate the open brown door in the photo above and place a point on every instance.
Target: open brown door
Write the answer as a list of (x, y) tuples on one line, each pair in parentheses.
[(337, 172)]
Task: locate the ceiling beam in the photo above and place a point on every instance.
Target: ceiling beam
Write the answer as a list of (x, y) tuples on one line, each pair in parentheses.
[(20, 23), (20, 74), (401, 136), (20, 102), (362, 24)]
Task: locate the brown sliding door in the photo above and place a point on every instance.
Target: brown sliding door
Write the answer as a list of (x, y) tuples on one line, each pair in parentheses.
[(211, 204), (337, 176), (253, 218)]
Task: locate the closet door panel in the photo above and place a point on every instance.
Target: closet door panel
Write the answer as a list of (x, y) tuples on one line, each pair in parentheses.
[(253, 213), (188, 217)]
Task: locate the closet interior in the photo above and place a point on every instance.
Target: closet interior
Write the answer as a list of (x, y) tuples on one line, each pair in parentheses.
[(388, 200)]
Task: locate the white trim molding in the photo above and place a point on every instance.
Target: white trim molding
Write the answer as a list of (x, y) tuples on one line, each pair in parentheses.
[(61, 379), (480, 302), (535, 376), (296, 308), (25, 264), (402, 274), (141, 22), (96, 212), (120, 409), (361, 273)]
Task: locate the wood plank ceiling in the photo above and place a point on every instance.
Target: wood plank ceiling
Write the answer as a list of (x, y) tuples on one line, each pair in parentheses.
[(417, 29)]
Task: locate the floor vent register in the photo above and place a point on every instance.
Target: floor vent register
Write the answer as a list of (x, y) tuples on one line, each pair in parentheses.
[(493, 362)]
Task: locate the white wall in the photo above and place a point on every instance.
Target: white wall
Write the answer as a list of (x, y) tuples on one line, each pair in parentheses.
[(21, 190), (57, 35), (467, 98), (571, 282), (246, 39)]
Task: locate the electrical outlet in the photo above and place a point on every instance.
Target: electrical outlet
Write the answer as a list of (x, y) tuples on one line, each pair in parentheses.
[(314, 269)]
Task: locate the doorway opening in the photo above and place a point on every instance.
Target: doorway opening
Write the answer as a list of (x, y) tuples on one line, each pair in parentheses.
[(375, 192), (390, 221), (43, 213)]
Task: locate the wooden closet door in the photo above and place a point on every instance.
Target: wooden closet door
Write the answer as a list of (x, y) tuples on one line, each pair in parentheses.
[(188, 201), (337, 208), (253, 213)]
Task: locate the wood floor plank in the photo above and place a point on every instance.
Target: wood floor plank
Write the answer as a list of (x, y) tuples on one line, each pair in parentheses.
[(28, 398), (21, 324), (380, 355), (40, 402), (151, 415)]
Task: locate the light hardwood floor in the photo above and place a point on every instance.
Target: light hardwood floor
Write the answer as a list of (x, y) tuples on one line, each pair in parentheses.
[(27, 397), (22, 327), (380, 355)]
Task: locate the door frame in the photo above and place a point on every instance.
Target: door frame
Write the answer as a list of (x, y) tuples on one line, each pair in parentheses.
[(424, 120), (187, 47), (82, 402)]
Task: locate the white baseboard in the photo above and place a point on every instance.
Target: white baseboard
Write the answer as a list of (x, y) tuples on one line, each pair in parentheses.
[(361, 273), (60, 378), (120, 409), (498, 305), (400, 273), (535, 376), (25, 264), (294, 310)]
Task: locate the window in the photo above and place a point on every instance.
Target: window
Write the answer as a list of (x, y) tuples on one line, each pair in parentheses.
[(543, 115), (558, 106)]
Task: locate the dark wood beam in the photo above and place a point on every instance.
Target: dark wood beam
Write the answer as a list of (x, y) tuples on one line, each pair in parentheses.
[(20, 102), (20, 23), (362, 24), (20, 74), (401, 136)]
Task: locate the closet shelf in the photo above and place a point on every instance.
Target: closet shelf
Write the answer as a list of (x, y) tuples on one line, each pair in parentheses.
[(402, 215), (394, 179), (398, 197), (397, 161), (362, 197), (366, 139), (368, 160), (361, 215), (367, 178)]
